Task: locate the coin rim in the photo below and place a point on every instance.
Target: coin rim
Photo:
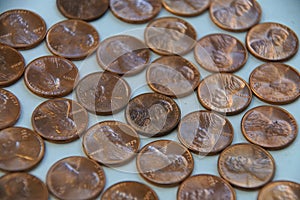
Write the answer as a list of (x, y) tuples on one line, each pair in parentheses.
[(193, 14)]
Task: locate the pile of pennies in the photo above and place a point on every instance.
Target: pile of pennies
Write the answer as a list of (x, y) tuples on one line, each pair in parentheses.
[(149, 116)]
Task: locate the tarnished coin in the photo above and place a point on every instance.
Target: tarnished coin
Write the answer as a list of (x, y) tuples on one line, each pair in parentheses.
[(17, 186), (123, 54), (272, 42), (269, 127), (220, 53), (170, 35), (173, 76), (280, 190), (186, 8), (111, 142), (22, 29), (246, 166), (224, 93), (103, 93), (275, 83), (59, 120), (75, 178), (135, 11), (51, 76), (205, 132), (10, 109), (235, 15), (72, 39), (152, 114), (164, 162)]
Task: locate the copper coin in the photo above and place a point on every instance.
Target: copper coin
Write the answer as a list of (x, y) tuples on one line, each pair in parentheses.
[(173, 76), (22, 29), (135, 11), (165, 162), (269, 127), (220, 53), (275, 83), (170, 35), (123, 54), (152, 114), (280, 190), (12, 65), (17, 186), (85, 10), (111, 142), (72, 39), (51, 76), (205, 132), (59, 120), (272, 42), (76, 178), (103, 93), (235, 15), (205, 187), (10, 109), (186, 8), (246, 166)]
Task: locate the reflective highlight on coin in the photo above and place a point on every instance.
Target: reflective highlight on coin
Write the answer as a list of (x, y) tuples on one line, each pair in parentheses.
[(186, 8), (10, 109), (280, 190)]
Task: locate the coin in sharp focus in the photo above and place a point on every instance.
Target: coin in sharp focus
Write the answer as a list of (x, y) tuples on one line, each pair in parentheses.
[(173, 76), (164, 162), (246, 166), (272, 42), (59, 120), (235, 15), (75, 178), (280, 190), (275, 83), (170, 36), (220, 53), (10, 109), (186, 8), (72, 39), (123, 54), (205, 132), (103, 93)]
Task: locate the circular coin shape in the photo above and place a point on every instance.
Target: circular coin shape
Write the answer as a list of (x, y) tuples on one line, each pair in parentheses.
[(123, 54), (76, 178), (224, 93), (172, 76), (152, 114), (269, 127), (281, 190), (220, 53), (59, 120), (246, 166), (72, 39), (170, 35), (22, 29), (10, 109), (205, 132), (103, 93), (275, 83), (235, 15), (272, 42), (185, 8), (164, 162)]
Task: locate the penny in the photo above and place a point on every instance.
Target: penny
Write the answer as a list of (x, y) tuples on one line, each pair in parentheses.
[(205, 132), (235, 15), (173, 76), (280, 190), (72, 39), (186, 8), (164, 162), (21, 29), (103, 93), (269, 127), (59, 120), (246, 166), (170, 35), (275, 83), (10, 109), (75, 178), (152, 114), (224, 93), (272, 42), (220, 53), (111, 142), (51, 76), (123, 54)]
